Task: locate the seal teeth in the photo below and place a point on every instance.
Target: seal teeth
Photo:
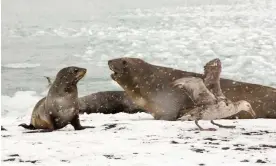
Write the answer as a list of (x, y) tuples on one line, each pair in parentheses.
[(111, 67)]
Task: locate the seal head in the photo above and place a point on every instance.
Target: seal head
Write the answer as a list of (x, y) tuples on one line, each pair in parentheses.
[(127, 71)]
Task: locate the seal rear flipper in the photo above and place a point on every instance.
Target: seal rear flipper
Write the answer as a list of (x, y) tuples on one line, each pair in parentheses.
[(30, 126), (40, 131)]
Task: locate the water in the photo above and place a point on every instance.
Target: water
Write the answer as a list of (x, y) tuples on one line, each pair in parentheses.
[(40, 37)]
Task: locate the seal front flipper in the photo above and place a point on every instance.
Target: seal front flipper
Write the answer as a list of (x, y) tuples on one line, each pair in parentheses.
[(30, 126), (76, 124)]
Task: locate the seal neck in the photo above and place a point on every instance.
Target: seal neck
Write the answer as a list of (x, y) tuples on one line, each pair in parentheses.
[(61, 88)]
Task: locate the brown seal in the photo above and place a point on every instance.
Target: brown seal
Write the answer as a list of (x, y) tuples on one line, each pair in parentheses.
[(60, 107), (106, 102), (150, 87)]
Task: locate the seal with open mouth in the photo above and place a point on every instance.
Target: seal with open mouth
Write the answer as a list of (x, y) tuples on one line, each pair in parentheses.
[(149, 86)]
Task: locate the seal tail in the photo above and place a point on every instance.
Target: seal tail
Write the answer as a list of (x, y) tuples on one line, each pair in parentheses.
[(30, 126)]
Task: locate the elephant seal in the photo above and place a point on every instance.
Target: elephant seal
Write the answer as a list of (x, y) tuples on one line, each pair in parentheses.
[(150, 87), (106, 102), (208, 105), (60, 107)]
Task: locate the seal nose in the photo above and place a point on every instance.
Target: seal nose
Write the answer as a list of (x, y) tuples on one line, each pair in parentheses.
[(81, 73), (109, 62)]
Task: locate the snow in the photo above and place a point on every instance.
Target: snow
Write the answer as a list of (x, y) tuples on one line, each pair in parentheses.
[(124, 139)]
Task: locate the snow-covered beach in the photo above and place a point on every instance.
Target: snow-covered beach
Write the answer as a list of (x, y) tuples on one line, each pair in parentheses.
[(137, 139)]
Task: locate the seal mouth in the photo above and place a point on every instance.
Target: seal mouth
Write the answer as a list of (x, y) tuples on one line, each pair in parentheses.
[(115, 73)]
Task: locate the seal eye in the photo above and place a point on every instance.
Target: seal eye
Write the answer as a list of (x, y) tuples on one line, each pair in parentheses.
[(76, 70), (124, 62)]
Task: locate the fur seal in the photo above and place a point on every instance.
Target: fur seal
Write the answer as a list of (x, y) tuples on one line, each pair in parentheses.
[(60, 107), (106, 102), (210, 106), (149, 86)]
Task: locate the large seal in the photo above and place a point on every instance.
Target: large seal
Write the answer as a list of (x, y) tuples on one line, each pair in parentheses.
[(149, 86), (60, 107), (208, 105), (106, 102)]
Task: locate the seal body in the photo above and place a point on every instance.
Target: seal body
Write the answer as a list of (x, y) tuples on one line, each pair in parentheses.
[(150, 87), (108, 102), (60, 107)]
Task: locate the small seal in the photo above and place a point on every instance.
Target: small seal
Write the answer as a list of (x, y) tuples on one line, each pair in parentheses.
[(149, 86), (60, 107), (106, 102), (210, 106)]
